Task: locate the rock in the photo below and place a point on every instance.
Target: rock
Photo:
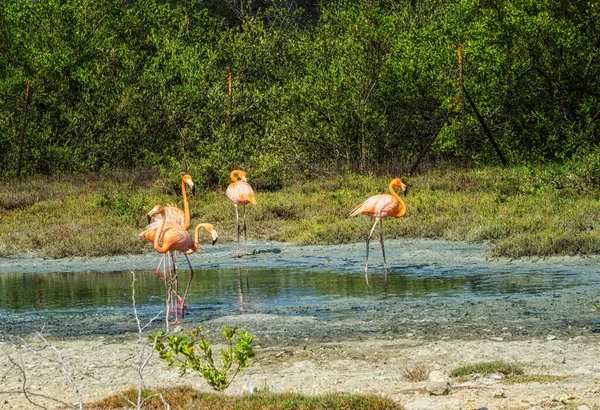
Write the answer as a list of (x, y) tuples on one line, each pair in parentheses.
[(438, 388), (499, 394), (550, 337), (584, 407), (439, 383), (495, 376)]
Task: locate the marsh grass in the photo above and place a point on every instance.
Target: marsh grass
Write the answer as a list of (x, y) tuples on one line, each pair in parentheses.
[(521, 211), (535, 378), (188, 398), (485, 368)]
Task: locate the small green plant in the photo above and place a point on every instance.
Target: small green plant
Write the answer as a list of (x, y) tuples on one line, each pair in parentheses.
[(193, 351)]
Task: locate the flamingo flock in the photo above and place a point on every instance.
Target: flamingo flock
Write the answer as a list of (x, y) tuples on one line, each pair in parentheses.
[(168, 230)]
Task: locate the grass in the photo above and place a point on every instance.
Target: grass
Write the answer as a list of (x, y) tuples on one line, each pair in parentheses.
[(485, 368), (188, 398), (520, 211), (535, 378), (417, 373), (513, 373)]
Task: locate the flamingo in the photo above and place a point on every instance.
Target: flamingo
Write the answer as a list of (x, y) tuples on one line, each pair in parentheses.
[(173, 214), (240, 193), (380, 207), (170, 237)]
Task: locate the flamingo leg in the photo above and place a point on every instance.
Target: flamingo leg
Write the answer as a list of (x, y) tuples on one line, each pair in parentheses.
[(187, 288), (174, 289), (367, 259), (245, 241), (168, 291), (237, 222), (382, 247), (162, 259)]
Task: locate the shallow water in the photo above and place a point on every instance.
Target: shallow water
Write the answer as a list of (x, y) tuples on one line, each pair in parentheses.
[(326, 284)]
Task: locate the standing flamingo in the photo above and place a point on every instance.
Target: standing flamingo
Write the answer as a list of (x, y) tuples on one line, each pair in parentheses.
[(379, 207), (240, 193), (173, 214), (168, 238)]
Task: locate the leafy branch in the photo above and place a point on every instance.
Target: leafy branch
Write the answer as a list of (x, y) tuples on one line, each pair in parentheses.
[(192, 351)]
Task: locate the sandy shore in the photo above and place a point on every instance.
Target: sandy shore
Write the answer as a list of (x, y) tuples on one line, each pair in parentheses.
[(101, 366)]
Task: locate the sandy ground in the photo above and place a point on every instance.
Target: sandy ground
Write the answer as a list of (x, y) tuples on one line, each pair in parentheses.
[(101, 366), (552, 333)]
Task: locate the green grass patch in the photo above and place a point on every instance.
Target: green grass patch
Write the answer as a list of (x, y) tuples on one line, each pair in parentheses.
[(496, 366), (534, 378), (521, 211), (188, 398)]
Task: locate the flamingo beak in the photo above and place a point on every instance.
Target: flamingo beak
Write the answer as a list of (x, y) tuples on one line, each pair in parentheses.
[(148, 219), (214, 236), (194, 189)]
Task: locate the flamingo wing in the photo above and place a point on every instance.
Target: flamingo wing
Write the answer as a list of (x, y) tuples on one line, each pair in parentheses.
[(379, 206), (177, 238), (240, 193)]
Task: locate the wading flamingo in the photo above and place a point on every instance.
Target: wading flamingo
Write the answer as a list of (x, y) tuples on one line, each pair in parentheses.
[(240, 193), (379, 207), (168, 238), (173, 214)]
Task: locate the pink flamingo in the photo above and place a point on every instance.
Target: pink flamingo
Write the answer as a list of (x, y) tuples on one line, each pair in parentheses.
[(168, 238), (173, 214), (380, 207), (240, 193)]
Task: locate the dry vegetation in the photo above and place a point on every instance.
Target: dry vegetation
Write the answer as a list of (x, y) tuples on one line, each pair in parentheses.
[(519, 211), (188, 398)]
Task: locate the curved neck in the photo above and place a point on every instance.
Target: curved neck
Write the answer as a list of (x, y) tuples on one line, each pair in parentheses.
[(233, 175), (186, 207), (402, 210), (205, 226), (158, 235)]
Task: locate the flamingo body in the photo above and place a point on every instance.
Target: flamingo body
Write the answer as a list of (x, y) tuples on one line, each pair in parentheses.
[(169, 237), (380, 207), (241, 194)]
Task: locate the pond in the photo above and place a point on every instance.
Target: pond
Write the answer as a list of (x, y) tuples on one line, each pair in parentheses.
[(291, 282)]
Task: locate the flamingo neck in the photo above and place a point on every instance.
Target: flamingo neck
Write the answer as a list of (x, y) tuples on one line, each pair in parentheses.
[(186, 207), (233, 175), (402, 210), (158, 235), (205, 226)]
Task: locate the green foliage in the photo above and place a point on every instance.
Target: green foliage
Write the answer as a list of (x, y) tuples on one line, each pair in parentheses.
[(194, 352), (350, 85)]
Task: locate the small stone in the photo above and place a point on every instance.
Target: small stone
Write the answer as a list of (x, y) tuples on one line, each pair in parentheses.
[(550, 337), (584, 407), (497, 339), (495, 376), (499, 394), (438, 376), (438, 388)]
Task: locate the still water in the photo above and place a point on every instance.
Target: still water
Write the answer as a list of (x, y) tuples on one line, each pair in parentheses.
[(214, 291)]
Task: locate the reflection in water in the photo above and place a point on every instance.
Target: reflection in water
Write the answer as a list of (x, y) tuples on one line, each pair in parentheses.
[(244, 289)]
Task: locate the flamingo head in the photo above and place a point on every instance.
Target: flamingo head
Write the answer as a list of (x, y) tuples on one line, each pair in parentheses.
[(398, 182), (187, 180), (241, 175), (158, 209)]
